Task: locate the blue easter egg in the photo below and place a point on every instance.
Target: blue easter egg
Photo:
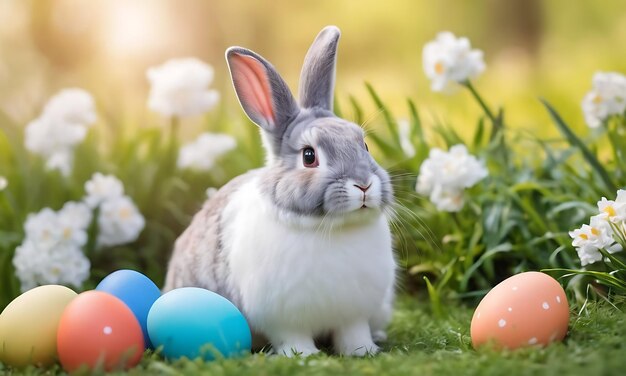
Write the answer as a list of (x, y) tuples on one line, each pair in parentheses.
[(191, 322), (136, 290)]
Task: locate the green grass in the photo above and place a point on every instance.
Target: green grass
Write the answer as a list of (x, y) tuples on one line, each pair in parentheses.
[(421, 344)]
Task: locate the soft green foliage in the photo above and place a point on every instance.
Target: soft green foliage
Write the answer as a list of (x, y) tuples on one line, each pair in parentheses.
[(516, 219), (145, 160), (420, 344)]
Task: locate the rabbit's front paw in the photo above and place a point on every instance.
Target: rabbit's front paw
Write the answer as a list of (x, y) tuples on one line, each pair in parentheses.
[(355, 340), (291, 346)]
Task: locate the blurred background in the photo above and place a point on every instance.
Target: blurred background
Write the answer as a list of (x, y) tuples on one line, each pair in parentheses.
[(517, 220), (532, 49)]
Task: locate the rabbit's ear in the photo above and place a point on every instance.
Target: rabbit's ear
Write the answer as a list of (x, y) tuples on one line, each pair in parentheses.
[(263, 94), (317, 80)]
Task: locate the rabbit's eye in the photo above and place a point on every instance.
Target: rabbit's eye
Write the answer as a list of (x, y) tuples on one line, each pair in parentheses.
[(308, 157)]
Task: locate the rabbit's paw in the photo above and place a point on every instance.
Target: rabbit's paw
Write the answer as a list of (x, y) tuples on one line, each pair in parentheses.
[(355, 340), (292, 346)]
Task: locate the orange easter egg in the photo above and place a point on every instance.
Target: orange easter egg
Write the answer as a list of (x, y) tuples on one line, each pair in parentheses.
[(99, 331), (524, 310)]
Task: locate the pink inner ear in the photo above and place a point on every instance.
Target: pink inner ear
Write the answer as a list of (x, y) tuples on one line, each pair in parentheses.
[(253, 86)]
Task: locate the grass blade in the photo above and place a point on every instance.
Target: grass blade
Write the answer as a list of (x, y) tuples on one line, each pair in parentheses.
[(357, 110), (389, 120), (578, 143), (435, 299), (416, 130)]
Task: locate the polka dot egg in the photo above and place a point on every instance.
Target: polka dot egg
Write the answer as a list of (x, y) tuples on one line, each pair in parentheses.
[(527, 309)]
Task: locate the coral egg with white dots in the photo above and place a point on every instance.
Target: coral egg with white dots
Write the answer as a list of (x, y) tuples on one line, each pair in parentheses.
[(527, 309)]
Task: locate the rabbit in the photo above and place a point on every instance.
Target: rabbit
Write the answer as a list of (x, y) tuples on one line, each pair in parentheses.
[(302, 246)]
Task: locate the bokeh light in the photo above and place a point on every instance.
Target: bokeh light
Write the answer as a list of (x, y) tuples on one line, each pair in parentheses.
[(106, 46)]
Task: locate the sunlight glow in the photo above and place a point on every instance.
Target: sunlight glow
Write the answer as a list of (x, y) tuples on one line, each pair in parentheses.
[(132, 27)]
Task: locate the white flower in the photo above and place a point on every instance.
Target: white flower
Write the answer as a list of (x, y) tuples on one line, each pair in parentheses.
[(119, 222), (35, 265), (62, 125), (613, 211), (179, 87), (588, 255), (449, 60), (603, 234), (73, 105), (607, 97), (101, 188), (76, 214), (404, 129), (583, 241), (3, 183), (47, 229), (46, 136), (51, 252), (449, 200), (589, 239), (444, 176), (42, 228), (202, 153)]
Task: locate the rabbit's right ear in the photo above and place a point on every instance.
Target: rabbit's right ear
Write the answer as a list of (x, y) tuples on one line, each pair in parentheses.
[(263, 94), (317, 80)]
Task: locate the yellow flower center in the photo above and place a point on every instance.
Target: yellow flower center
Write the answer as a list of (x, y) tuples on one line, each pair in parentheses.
[(610, 211), (125, 213), (597, 99), (67, 233), (584, 236), (439, 68), (595, 231)]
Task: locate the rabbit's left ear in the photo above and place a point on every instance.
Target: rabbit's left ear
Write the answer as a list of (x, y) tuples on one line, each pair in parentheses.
[(317, 80), (263, 94)]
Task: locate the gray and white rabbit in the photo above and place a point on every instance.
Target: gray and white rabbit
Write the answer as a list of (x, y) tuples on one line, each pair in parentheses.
[(301, 246)]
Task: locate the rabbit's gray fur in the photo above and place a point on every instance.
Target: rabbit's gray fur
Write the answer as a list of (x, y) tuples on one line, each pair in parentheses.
[(300, 201)]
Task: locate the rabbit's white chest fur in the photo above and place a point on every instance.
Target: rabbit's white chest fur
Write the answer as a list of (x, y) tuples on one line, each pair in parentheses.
[(308, 279)]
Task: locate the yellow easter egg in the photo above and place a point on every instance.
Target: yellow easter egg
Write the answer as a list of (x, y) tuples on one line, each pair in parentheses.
[(28, 326)]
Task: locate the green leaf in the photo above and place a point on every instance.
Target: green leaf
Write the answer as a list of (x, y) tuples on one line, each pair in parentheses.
[(614, 260), (578, 143), (502, 248), (337, 107), (478, 135), (384, 146), (435, 299), (389, 119), (416, 130), (358, 111)]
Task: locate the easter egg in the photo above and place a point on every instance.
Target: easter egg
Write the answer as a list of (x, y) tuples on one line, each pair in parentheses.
[(524, 310), (191, 322), (28, 326), (136, 290), (99, 331)]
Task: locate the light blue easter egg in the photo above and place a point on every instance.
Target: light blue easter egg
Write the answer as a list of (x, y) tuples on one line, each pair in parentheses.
[(192, 322), (136, 290)]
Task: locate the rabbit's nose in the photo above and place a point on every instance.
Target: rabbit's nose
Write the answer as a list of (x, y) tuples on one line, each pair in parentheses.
[(364, 189)]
